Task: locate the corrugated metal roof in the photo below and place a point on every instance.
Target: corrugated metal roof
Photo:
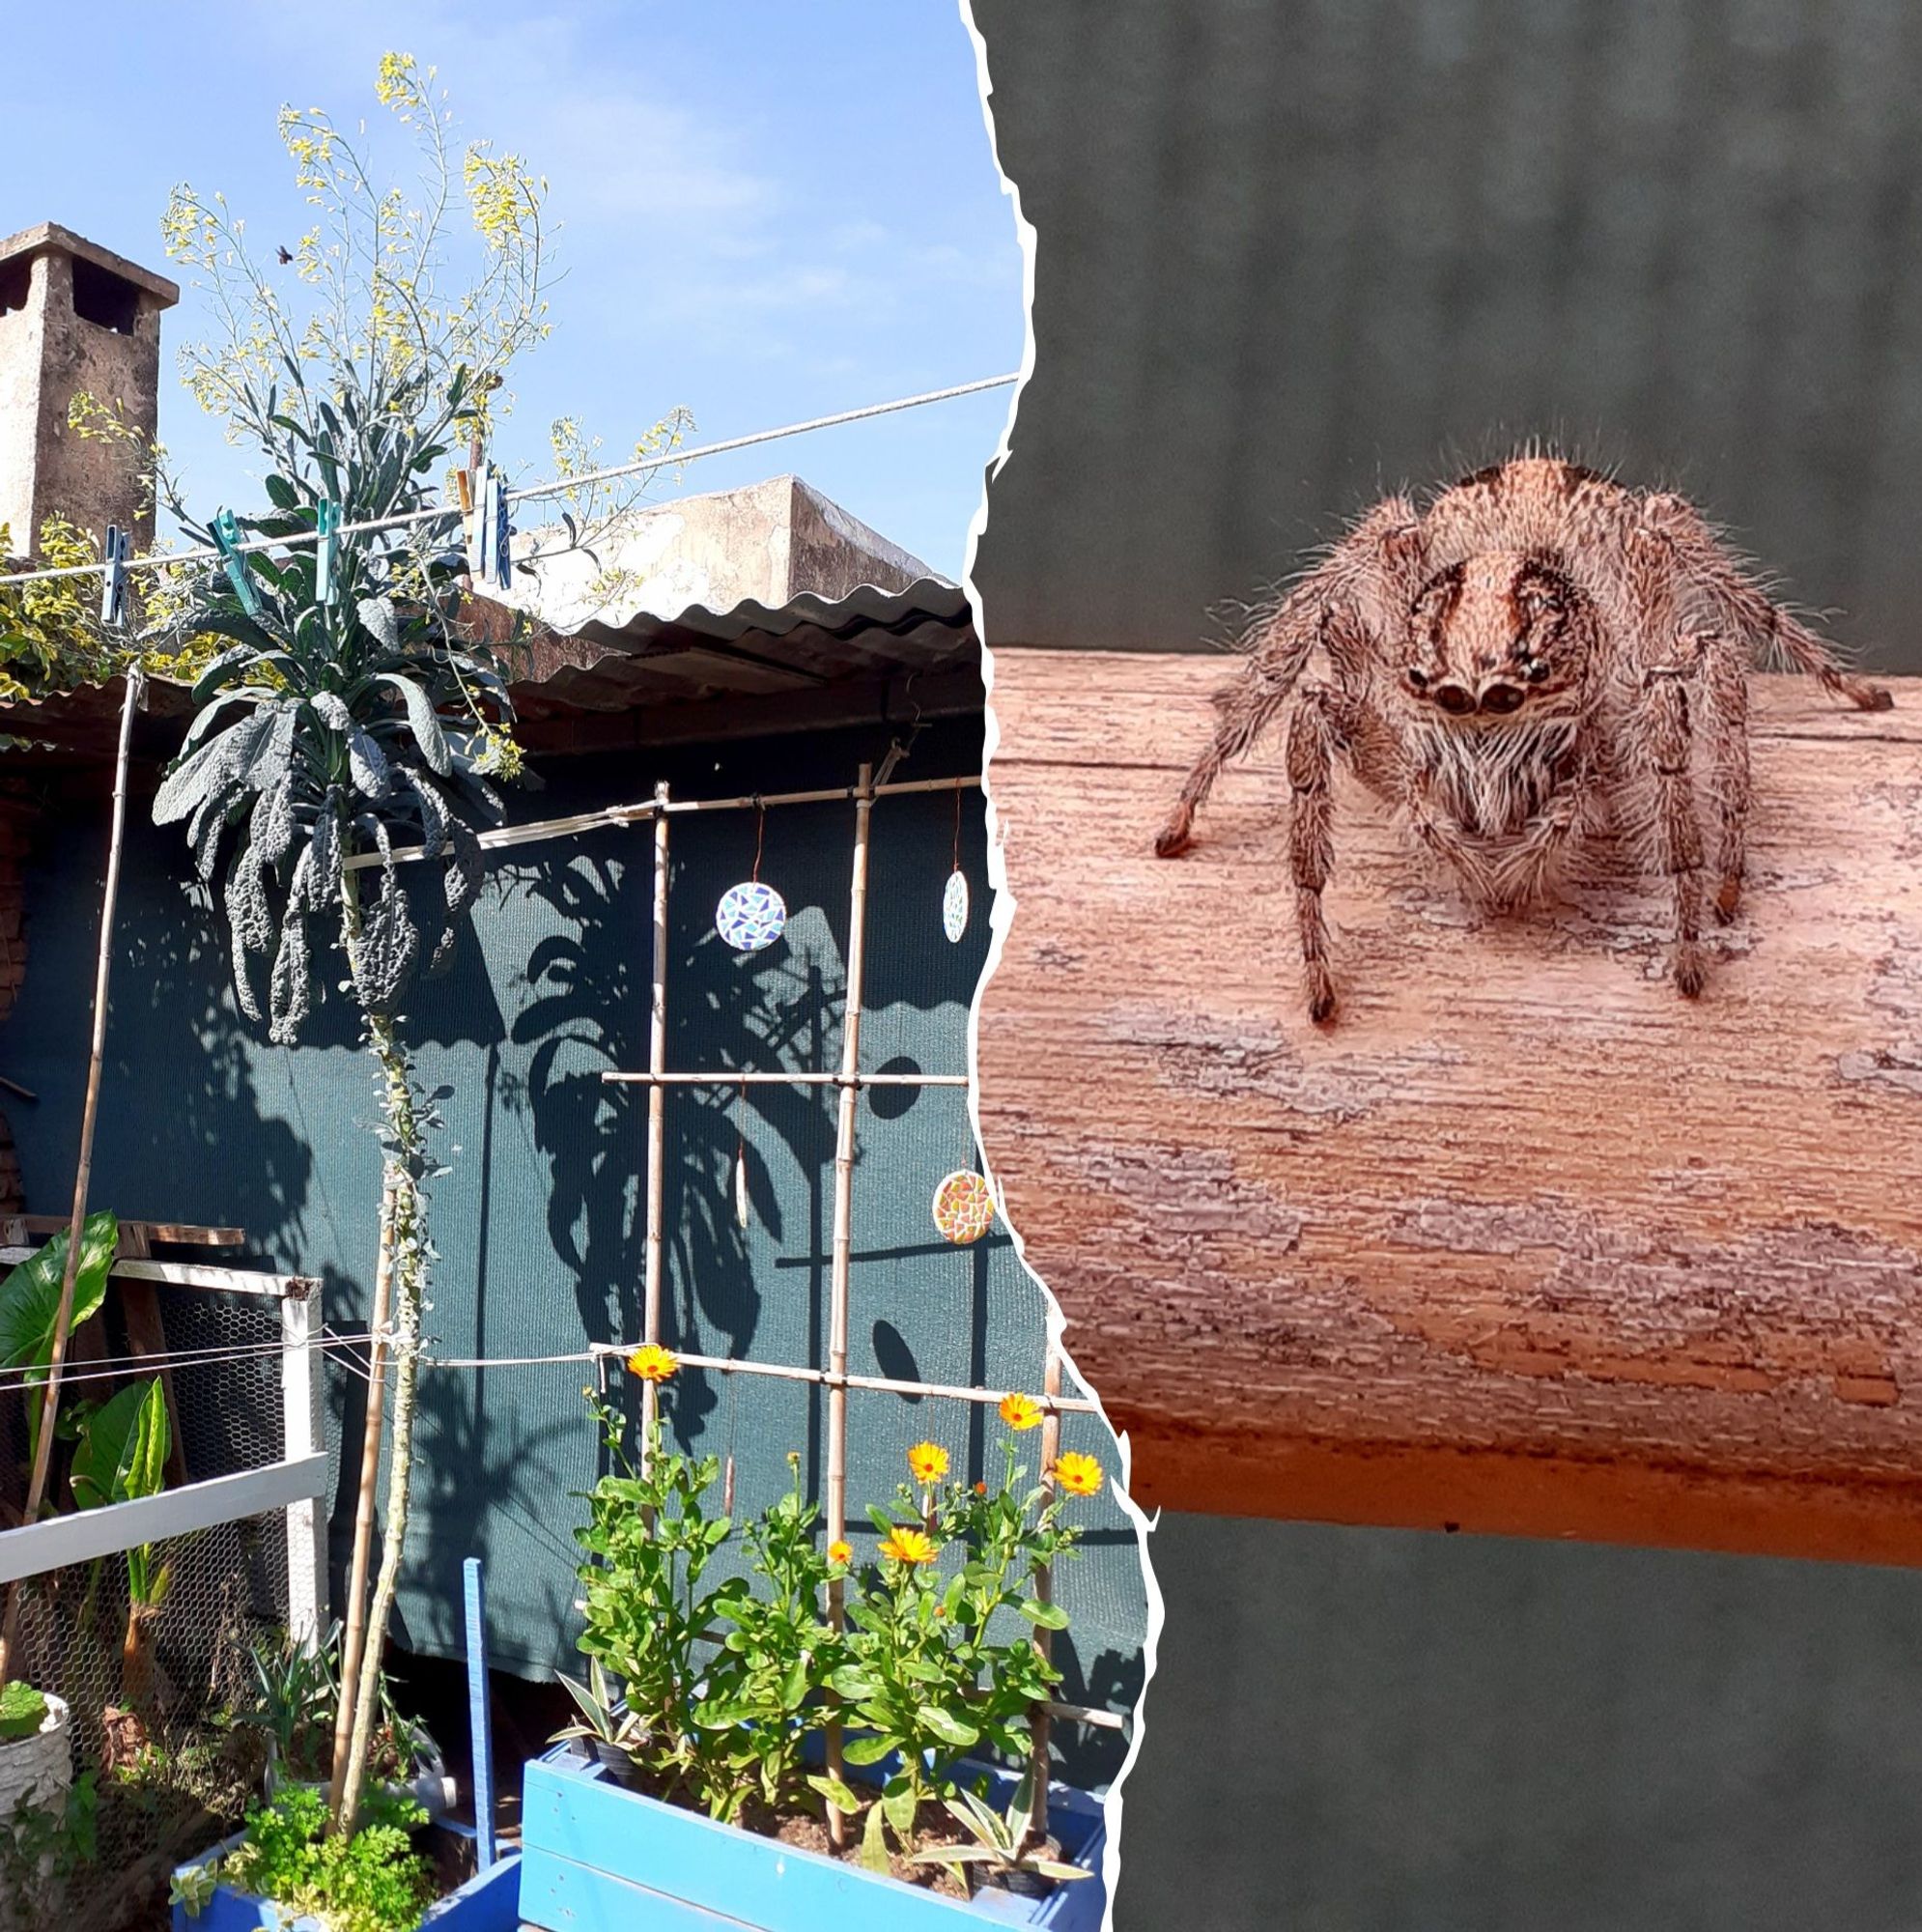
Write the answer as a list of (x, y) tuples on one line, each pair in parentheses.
[(701, 655), (1293, 252), (811, 663)]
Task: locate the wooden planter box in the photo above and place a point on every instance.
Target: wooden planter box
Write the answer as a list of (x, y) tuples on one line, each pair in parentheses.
[(595, 1856), (488, 1903)]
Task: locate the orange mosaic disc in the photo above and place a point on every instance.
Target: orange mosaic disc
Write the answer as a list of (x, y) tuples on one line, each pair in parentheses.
[(964, 1206)]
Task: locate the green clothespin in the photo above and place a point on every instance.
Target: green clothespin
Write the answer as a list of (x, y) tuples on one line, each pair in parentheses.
[(226, 535), (327, 521)]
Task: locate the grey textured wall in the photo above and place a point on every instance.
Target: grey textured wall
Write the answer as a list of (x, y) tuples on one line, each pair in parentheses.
[(1381, 1731), (1292, 252)]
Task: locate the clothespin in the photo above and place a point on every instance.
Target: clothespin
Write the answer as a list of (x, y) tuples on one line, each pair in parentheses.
[(494, 532), (471, 482), (115, 553), (226, 535), (327, 521), (503, 536)]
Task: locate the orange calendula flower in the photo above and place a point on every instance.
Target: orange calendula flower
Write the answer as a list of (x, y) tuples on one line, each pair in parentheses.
[(980, 1488), (908, 1545), (840, 1553), (1019, 1411), (928, 1461), (652, 1363), (1078, 1475)]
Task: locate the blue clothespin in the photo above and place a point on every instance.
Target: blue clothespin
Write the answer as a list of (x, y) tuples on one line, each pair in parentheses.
[(326, 522), (226, 535), (115, 554), (495, 562), (504, 536)]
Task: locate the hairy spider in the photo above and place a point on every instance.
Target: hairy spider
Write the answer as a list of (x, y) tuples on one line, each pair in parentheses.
[(1537, 655)]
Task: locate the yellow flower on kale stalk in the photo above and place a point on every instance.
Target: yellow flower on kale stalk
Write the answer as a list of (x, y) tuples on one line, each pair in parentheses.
[(908, 1545), (840, 1553), (928, 1461), (1078, 1475), (1019, 1411), (652, 1363)]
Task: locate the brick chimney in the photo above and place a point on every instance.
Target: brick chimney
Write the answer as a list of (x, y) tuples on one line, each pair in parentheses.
[(73, 317)]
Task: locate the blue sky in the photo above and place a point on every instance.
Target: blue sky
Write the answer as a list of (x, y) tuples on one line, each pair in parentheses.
[(769, 210)]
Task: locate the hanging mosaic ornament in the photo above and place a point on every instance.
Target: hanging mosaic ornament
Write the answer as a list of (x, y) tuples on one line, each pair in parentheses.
[(751, 916), (954, 906), (964, 1206), (955, 899)]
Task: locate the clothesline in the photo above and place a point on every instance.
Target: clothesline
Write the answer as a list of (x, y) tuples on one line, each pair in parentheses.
[(560, 487)]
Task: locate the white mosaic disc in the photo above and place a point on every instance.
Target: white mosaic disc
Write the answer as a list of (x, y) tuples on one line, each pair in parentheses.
[(964, 1206), (954, 905), (751, 916)]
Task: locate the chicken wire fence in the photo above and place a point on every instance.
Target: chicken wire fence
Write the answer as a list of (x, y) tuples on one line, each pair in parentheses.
[(153, 1647)]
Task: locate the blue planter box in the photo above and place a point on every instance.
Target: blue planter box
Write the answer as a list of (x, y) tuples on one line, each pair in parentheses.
[(488, 1903), (596, 1858)]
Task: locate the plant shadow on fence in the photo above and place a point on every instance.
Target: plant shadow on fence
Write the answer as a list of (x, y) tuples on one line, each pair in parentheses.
[(540, 1221)]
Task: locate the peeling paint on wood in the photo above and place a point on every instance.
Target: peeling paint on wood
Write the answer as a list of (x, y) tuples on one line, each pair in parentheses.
[(1524, 1242)]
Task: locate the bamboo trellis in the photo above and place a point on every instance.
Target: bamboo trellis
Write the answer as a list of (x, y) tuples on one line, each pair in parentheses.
[(849, 1080)]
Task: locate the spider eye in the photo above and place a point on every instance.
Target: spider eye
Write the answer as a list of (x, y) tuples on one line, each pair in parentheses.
[(1536, 671), (1417, 678), (1454, 697), (1500, 698)]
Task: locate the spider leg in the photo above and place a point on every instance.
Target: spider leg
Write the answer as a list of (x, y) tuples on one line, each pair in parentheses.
[(1367, 570), (1312, 737), (1725, 696), (1667, 738), (1247, 707), (1747, 611)]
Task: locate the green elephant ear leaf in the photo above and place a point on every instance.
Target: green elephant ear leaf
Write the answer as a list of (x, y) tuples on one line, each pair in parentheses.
[(123, 1451), (30, 1295)]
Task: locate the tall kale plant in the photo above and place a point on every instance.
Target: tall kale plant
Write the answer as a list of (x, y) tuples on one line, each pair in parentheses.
[(346, 721)]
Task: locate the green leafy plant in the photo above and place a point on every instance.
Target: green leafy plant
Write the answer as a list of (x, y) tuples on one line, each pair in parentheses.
[(120, 1454), (1002, 1841), (42, 1847), (23, 1711), (296, 1703), (350, 718), (194, 1888), (725, 1685), (772, 1668), (369, 1881), (936, 1664), (605, 1718), (30, 1303), (648, 1543)]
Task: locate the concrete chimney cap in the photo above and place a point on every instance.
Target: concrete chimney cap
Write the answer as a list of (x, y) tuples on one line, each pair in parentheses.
[(49, 237)]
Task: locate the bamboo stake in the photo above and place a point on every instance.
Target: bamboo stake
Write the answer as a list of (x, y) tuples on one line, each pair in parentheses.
[(657, 1118), (789, 1079), (734, 1365), (63, 1320), (837, 1291), (537, 830), (353, 1639), (1040, 1724)]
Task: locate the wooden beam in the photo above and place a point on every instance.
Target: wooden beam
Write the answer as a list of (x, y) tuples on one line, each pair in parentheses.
[(1524, 1242), (136, 1236), (188, 1275), (87, 1534)]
